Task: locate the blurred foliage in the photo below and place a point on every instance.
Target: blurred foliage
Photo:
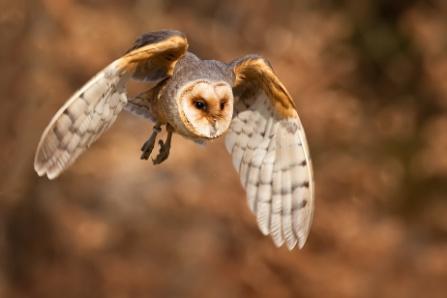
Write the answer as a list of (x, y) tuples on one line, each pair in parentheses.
[(369, 81)]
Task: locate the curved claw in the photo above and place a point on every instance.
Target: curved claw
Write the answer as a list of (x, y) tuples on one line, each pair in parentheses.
[(164, 149), (162, 154)]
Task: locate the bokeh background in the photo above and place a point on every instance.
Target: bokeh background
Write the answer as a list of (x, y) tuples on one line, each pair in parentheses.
[(369, 78)]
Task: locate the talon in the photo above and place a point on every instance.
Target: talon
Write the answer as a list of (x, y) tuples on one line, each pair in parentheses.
[(163, 154), (148, 146)]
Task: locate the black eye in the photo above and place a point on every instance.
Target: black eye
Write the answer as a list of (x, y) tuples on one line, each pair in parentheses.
[(222, 105), (200, 104)]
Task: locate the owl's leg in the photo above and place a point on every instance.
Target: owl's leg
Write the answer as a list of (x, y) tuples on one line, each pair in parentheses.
[(148, 146), (164, 147)]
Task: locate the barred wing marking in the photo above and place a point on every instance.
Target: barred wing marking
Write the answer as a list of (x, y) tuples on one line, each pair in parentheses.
[(270, 152)]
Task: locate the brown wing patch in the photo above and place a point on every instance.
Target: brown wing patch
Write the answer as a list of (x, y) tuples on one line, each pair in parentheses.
[(156, 59), (256, 73)]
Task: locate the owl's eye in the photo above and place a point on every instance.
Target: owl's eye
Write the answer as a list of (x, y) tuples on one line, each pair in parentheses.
[(200, 104)]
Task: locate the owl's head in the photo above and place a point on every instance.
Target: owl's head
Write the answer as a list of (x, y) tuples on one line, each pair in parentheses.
[(206, 107)]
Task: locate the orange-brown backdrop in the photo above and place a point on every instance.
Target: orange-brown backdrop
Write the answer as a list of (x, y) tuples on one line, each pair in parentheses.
[(369, 79)]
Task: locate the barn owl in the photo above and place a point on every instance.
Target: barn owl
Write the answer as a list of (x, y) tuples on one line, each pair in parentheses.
[(200, 100)]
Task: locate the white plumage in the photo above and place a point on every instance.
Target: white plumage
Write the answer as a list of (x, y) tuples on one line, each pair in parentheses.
[(80, 121), (271, 156)]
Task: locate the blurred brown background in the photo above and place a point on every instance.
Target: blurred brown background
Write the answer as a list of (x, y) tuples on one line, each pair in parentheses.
[(369, 79)]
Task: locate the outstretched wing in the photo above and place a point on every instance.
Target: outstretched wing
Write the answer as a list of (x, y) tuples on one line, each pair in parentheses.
[(270, 152), (94, 108)]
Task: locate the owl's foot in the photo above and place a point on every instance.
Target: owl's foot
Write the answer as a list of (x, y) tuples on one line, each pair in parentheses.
[(148, 146), (164, 148)]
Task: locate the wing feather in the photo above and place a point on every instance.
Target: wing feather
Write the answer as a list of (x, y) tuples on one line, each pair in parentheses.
[(94, 108), (79, 123), (270, 152)]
